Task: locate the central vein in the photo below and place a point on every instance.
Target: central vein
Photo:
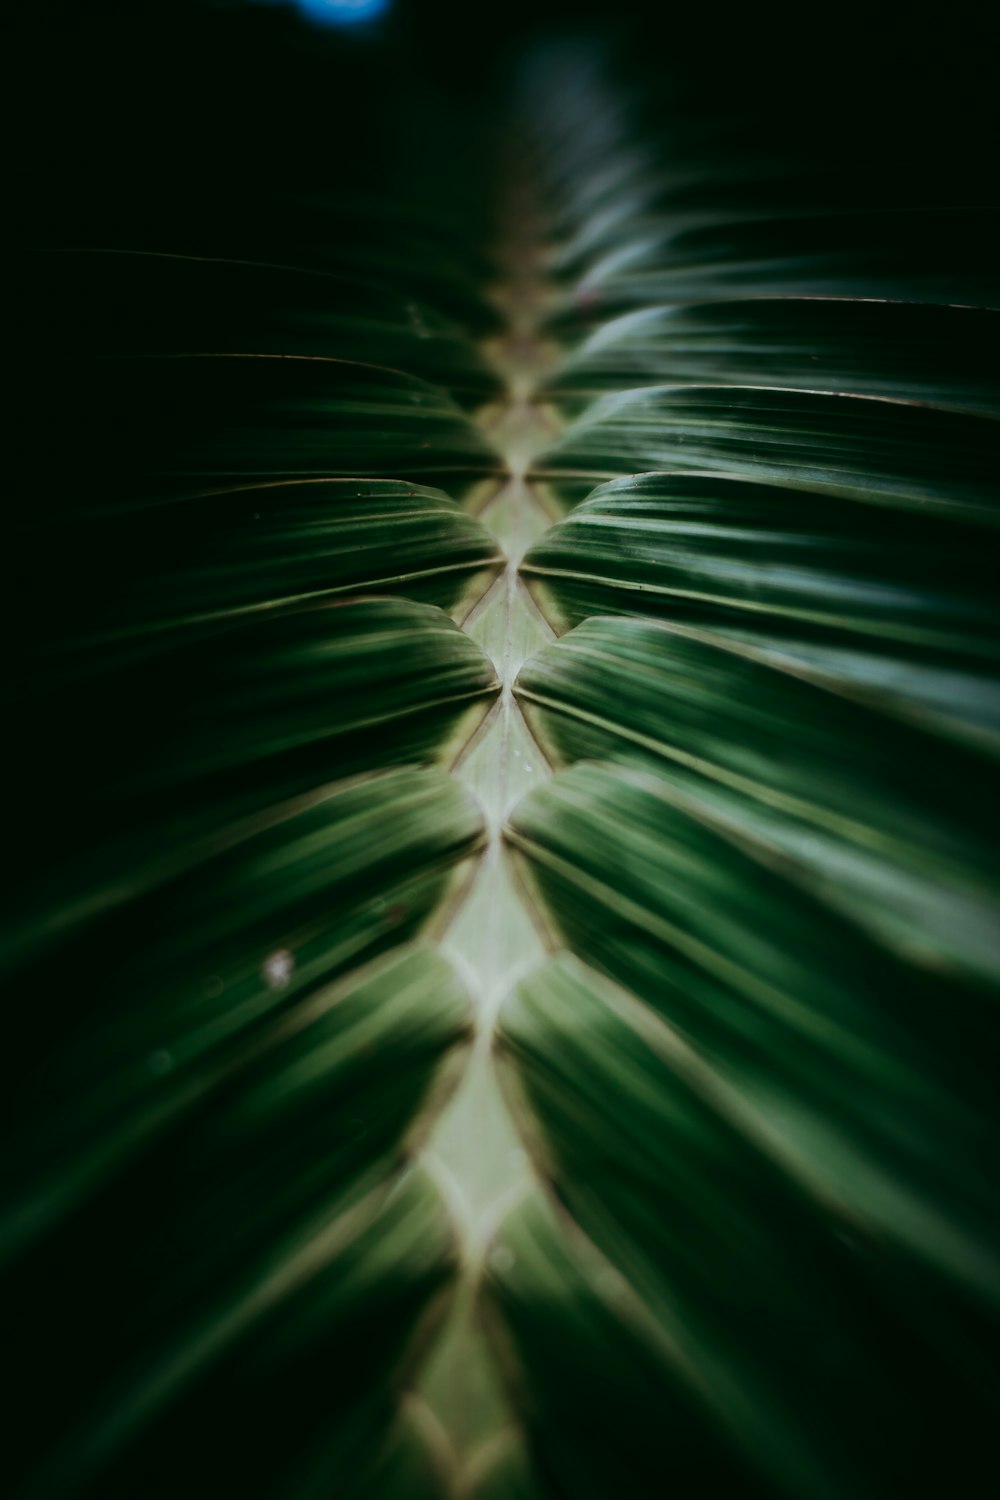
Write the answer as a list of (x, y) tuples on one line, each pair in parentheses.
[(475, 1152)]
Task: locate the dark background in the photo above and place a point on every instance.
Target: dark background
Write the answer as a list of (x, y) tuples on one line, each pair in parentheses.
[(252, 92)]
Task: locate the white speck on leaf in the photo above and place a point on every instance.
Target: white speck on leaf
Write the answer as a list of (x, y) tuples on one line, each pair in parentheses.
[(278, 967)]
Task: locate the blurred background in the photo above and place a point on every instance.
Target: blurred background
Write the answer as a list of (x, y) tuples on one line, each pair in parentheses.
[(263, 89)]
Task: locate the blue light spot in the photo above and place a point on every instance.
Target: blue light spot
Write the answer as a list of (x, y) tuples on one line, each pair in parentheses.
[(343, 12)]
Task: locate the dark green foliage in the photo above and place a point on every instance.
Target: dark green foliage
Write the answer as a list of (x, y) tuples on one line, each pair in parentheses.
[(767, 1321), (251, 323)]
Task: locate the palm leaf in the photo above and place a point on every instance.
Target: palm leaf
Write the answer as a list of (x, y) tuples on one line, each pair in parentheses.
[(502, 970)]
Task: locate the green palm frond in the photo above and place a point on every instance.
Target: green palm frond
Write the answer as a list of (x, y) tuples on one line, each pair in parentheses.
[(502, 966)]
